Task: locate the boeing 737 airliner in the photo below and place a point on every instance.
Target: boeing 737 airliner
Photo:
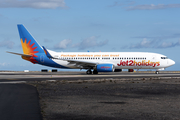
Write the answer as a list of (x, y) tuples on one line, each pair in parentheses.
[(93, 62)]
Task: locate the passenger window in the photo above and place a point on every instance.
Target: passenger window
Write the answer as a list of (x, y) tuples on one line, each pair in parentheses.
[(164, 57)]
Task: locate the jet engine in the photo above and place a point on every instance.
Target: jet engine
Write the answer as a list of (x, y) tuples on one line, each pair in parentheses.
[(105, 68)]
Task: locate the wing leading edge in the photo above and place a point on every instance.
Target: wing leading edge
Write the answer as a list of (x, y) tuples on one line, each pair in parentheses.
[(79, 63)]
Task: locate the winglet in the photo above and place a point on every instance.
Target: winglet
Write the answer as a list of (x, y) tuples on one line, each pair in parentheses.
[(47, 53)]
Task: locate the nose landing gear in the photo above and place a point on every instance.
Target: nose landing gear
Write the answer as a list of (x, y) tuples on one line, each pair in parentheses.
[(157, 72)]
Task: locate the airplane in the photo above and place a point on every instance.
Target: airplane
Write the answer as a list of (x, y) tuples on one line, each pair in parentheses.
[(93, 62)]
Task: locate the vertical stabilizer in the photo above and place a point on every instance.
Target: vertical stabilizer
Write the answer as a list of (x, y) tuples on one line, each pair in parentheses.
[(29, 45)]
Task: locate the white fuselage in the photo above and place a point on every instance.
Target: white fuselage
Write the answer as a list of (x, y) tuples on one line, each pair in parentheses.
[(121, 60)]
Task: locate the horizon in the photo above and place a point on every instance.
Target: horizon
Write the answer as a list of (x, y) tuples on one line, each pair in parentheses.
[(106, 26)]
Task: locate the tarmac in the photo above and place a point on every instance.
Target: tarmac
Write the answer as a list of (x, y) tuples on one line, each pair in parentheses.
[(19, 102), (42, 76), (75, 95)]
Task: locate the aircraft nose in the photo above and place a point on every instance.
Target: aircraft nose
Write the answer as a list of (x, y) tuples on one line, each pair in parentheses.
[(171, 62)]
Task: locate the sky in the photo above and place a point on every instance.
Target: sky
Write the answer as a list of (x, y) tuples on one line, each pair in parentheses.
[(90, 25)]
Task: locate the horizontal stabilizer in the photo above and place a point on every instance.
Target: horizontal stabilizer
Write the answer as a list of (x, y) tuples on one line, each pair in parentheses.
[(20, 54)]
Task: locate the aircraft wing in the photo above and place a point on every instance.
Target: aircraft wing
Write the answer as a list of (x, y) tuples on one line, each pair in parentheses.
[(72, 61), (79, 62), (20, 54)]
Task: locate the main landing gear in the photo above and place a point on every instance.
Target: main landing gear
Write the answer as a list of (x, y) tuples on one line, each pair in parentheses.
[(95, 72), (90, 72)]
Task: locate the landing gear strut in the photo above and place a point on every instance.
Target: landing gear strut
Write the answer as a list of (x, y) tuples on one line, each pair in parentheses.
[(88, 72)]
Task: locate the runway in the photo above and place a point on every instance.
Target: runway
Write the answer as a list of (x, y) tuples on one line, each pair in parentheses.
[(18, 77), (75, 95)]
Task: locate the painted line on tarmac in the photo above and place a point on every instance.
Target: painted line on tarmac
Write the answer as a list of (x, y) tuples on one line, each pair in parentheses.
[(51, 80), (12, 79), (13, 82), (153, 75)]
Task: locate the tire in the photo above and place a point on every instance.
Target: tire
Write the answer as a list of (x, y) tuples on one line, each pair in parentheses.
[(95, 72), (88, 72), (157, 72)]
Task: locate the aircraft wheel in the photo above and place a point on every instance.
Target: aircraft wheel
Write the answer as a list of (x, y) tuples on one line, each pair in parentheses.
[(95, 72), (157, 72), (88, 72)]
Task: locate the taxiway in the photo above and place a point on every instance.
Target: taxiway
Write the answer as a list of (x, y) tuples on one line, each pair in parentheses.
[(75, 95)]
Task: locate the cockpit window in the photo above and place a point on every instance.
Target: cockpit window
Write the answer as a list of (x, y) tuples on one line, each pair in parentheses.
[(164, 57)]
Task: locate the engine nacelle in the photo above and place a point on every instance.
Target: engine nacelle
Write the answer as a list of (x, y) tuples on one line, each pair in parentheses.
[(105, 68), (118, 70)]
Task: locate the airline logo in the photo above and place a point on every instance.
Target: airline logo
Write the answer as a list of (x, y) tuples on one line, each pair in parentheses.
[(105, 67), (29, 50), (135, 63)]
